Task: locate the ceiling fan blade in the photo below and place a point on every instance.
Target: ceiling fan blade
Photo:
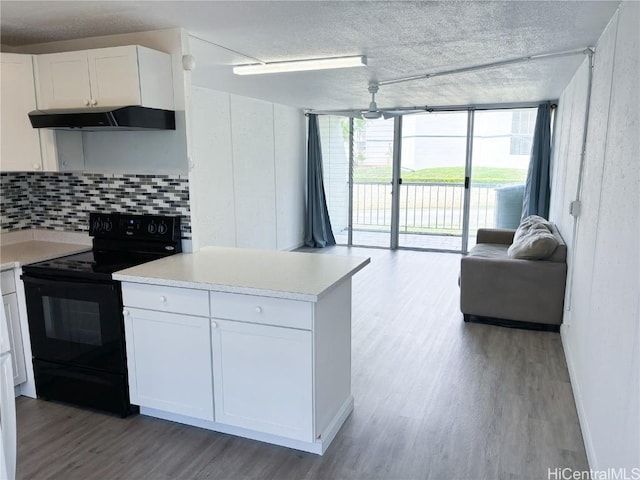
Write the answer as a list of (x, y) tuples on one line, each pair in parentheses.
[(396, 112), (372, 114), (387, 114), (341, 113)]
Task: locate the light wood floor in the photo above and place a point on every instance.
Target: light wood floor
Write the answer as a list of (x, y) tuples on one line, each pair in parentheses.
[(434, 398)]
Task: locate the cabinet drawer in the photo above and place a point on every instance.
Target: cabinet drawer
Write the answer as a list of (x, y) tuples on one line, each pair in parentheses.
[(7, 282), (166, 299), (264, 310)]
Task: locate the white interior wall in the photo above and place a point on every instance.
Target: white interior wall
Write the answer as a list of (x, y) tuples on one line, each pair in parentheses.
[(290, 164), (253, 145), (211, 177), (248, 175), (135, 152), (601, 333)]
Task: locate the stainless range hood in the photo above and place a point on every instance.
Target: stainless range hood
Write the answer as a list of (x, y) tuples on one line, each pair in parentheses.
[(104, 119)]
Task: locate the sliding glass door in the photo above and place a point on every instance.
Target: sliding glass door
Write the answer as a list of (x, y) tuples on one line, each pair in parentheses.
[(372, 192), (432, 173), (500, 161), (425, 181)]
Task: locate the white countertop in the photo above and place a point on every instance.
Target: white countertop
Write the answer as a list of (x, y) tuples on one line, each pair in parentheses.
[(22, 253), (292, 275)]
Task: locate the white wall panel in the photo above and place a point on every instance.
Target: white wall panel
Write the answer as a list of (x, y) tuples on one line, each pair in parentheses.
[(558, 165), (248, 179), (559, 188), (211, 179), (602, 339), (582, 268), (615, 291), (254, 172), (290, 168)]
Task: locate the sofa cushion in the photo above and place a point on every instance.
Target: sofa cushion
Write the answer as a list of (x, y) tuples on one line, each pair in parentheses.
[(489, 250), (538, 243)]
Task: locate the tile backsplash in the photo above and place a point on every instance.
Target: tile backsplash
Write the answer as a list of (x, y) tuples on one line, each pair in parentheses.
[(62, 201), (15, 205)]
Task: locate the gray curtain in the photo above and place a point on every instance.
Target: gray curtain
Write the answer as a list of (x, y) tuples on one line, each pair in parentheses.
[(537, 191), (318, 231)]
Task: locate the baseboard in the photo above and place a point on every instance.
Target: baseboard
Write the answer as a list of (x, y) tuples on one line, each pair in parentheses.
[(336, 424), (318, 446), (577, 397)]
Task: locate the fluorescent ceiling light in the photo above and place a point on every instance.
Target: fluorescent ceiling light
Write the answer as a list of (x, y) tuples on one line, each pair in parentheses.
[(301, 65)]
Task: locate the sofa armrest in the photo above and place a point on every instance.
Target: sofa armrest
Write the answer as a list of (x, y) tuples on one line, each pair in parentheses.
[(503, 236)]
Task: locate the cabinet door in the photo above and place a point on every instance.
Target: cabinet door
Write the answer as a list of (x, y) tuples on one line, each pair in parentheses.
[(64, 80), (263, 378), (169, 362), (20, 146), (10, 302), (114, 76)]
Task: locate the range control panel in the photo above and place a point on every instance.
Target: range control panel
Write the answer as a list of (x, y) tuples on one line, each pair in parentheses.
[(140, 227)]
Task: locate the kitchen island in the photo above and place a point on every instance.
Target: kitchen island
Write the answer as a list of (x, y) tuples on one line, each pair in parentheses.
[(247, 342)]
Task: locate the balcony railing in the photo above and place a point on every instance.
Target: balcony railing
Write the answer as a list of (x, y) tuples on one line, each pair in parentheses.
[(430, 208)]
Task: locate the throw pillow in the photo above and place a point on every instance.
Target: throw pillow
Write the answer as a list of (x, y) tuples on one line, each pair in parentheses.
[(537, 244), (532, 222)]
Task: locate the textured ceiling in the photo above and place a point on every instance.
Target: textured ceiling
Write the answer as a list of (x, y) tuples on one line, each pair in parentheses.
[(399, 39)]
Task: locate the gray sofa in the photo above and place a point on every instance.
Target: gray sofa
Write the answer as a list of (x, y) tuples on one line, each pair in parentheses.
[(495, 285)]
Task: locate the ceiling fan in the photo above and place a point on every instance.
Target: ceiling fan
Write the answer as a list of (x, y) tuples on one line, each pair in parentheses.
[(373, 112)]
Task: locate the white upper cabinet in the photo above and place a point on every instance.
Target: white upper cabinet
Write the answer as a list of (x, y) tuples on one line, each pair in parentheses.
[(105, 77), (20, 141)]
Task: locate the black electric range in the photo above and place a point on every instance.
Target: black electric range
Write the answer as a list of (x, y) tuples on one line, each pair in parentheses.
[(74, 309)]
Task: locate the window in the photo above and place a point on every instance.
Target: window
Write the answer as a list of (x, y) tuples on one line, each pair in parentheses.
[(523, 123)]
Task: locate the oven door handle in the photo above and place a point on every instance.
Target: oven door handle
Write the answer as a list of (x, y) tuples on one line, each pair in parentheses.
[(67, 284)]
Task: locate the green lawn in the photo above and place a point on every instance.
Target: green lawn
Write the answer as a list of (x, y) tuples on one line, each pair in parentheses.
[(481, 175)]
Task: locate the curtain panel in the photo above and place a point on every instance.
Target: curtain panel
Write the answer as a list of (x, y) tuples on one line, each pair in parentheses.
[(318, 232), (537, 190)]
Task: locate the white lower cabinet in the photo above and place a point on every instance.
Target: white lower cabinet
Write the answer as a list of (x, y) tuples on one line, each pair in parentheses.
[(10, 303), (263, 378), (169, 362), (14, 333), (273, 369)]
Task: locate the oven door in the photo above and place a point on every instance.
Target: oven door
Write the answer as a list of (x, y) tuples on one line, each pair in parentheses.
[(77, 322)]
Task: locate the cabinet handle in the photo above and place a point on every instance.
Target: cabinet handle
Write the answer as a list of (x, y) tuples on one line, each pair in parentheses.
[(87, 102), (163, 299), (125, 312), (94, 102), (214, 324), (258, 309), (36, 166)]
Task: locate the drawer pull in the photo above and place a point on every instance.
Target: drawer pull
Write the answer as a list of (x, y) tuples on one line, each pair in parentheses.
[(163, 299), (258, 309)]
